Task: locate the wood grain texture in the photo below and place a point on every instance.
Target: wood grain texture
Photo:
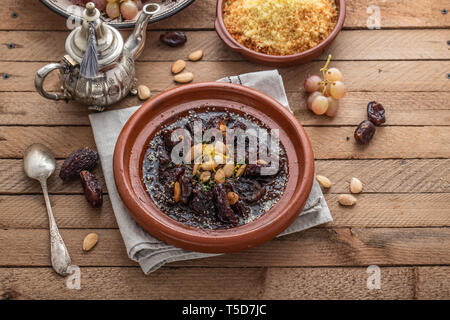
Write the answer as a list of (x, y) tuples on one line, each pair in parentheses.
[(314, 247), (402, 108), (327, 142), (349, 45), (32, 15), (401, 221), (392, 210), (222, 283), (390, 76), (432, 283), (378, 176)]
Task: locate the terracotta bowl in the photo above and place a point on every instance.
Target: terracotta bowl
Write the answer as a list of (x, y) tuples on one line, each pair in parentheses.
[(277, 61), (165, 109)]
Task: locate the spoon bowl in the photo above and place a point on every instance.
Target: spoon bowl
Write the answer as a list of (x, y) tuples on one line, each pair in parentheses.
[(38, 162)]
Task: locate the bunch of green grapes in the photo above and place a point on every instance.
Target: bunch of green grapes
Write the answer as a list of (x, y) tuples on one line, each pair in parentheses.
[(326, 91)]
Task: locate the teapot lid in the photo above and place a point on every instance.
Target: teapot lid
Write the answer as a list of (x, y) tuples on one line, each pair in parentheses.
[(109, 40)]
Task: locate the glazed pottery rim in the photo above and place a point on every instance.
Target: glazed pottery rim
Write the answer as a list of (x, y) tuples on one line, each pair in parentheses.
[(163, 227), (226, 37)]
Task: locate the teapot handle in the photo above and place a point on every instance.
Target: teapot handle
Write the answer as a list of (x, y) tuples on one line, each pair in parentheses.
[(40, 78)]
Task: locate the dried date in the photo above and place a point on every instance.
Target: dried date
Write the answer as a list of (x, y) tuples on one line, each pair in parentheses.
[(365, 131), (82, 159), (92, 190), (376, 113), (173, 38)]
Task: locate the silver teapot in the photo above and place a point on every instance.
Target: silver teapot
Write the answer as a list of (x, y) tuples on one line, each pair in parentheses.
[(112, 60)]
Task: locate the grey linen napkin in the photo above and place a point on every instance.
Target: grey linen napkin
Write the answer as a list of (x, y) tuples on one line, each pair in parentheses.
[(150, 252)]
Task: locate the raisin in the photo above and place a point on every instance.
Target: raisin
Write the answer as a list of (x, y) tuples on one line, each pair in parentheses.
[(365, 131), (92, 190), (376, 113), (82, 159), (173, 38)]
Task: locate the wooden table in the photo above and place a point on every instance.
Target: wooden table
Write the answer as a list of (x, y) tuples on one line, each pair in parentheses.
[(400, 223)]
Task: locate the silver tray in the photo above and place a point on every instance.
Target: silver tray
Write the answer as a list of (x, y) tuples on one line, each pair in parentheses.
[(67, 9)]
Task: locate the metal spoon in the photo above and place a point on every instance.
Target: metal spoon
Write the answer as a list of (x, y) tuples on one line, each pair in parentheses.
[(39, 164)]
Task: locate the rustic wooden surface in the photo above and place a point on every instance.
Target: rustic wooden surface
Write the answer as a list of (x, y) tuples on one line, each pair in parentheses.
[(400, 223)]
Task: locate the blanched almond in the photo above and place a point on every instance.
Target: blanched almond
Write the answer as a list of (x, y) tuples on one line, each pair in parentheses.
[(184, 77), (261, 162), (232, 197), (196, 151), (196, 55), (228, 169), (178, 66), (241, 170), (219, 176), (347, 200), (219, 147), (356, 185), (323, 181), (144, 92), (90, 241), (209, 165), (195, 169), (176, 192), (205, 176)]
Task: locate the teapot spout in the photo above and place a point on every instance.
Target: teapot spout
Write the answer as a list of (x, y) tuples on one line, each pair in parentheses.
[(136, 41)]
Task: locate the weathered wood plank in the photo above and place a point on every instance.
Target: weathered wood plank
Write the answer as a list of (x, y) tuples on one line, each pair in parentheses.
[(223, 283), (327, 142), (392, 210), (32, 15), (314, 247), (402, 108), (395, 176), (71, 211), (390, 76), (350, 45), (432, 282)]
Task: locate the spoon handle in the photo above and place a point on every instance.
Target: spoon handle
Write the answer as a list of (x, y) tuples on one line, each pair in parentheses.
[(59, 254)]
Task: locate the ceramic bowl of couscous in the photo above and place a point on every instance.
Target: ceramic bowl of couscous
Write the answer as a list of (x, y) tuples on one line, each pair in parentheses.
[(279, 33)]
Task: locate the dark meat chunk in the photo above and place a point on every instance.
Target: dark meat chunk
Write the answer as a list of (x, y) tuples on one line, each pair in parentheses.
[(164, 159), (168, 179), (254, 171), (186, 188), (172, 174), (224, 211), (203, 203), (241, 209), (238, 125), (82, 159), (249, 190), (169, 143)]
